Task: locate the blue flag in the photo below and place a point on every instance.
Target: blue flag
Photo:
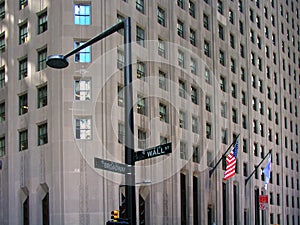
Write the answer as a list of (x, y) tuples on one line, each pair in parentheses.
[(267, 172)]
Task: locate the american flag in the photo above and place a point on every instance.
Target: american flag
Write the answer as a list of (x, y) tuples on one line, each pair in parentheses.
[(231, 162)]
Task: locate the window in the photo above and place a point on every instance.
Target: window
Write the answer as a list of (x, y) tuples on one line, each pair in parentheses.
[(42, 134), (244, 99), (182, 89), (180, 3), (234, 115), (221, 32), (141, 105), (244, 121), (23, 104), (163, 116), (2, 42), (223, 83), (162, 80), (2, 10), (240, 5), (223, 109), (192, 9), (206, 48), (195, 128), (140, 6), (121, 133), (180, 28), (23, 33), (196, 159), (140, 36), (141, 139), (183, 151), (207, 76), (180, 58), (42, 56), (232, 41), (82, 89), (2, 112), (194, 95), (252, 36), (23, 68), (251, 15), (222, 58), (208, 103), (82, 14), (120, 96), (243, 74), (140, 70), (245, 169), (161, 16), (2, 146), (42, 96), (206, 21), (23, 140), (23, 4), (220, 7), (42, 22), (234, 90), (182, 120), (84, 55), (231, 16), (83, 128), (208, 131), (193, 37), (162, 50), (2, 77), (232, 65), (224, 136), (120, 59), (120, 18)]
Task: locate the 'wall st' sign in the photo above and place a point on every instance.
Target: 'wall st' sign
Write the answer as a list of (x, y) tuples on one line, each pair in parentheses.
[(153, 152)]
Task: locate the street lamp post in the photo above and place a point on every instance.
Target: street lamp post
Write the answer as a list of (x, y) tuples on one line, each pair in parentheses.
[(60, 62)]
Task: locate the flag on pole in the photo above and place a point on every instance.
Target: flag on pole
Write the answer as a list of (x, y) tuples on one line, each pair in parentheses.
[(231, 162), (267, 172)]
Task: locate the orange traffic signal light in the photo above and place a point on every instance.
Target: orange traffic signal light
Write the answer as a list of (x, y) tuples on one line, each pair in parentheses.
[(115, 215)]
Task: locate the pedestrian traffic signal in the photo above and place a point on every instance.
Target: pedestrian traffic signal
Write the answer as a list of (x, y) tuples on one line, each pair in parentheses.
[(115, 215)]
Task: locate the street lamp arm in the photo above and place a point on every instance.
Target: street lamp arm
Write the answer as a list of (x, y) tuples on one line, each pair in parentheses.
[(97, 38)]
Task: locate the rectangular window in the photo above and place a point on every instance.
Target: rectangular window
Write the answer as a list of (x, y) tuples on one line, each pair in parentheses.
[(121, 133), (162, 80), (23, 140), (182, 89), (141, 105), (82, 89), (23, 4), (82, 14), (231, 16), (193, 37), (224, 136), (196, 158), (180, 3), (195, 127), (163, 116), (206, 21), (232, 65), (2, 77), (193, 66), (234, 115), (234, 90), (2, 111), (222, 58), (207, 76), (208, 103), (140, 36), (192, 9), (23, 104), (141, 139), (232, 41), (83, 128), (42, 134), (120, 59), (42, 96), (84, 55), (183, 150), (208, 131), (180, 28), (42, 22), (42, 56), (140, 6), (182, 120), (223, 109), (2, 10), (23, 33), (162, 51), (223, 83), (140, 70), (161, 16), (23, 70), (120, 96), (220, 7), (221, 32), (180, 58), (2, 42), (2, 146), (194, 95), (206, 48)]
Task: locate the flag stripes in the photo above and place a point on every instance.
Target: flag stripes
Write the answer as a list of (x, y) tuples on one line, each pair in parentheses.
[(231, 162)]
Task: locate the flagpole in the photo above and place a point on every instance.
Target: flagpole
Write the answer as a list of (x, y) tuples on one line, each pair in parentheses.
[(223, 156), (256, 167)]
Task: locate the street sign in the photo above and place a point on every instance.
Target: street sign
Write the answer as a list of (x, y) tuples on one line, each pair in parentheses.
[(153, 152), (111, 166)]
